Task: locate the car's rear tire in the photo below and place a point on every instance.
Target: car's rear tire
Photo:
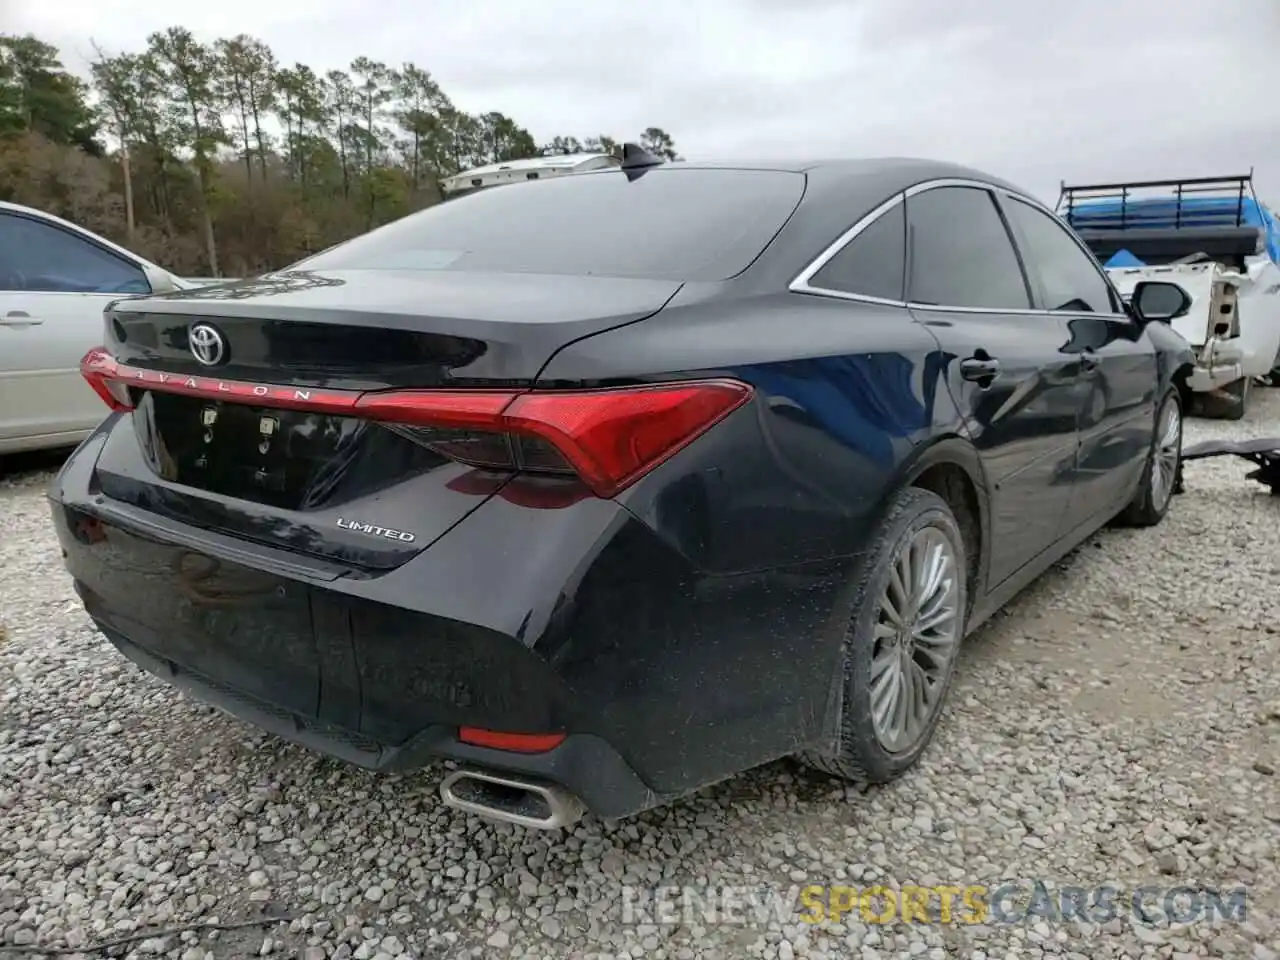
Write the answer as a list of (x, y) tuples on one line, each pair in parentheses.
[(906, 623), (1239, 392), (1160, 475)]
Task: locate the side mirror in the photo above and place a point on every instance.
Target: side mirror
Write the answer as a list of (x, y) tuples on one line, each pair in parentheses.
[(161, 281), (1158, 300)]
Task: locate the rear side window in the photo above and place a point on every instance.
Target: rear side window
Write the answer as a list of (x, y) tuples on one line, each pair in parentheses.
[(873, 263), (961, 254), (668, 224), (37, 257), (1068, 278)]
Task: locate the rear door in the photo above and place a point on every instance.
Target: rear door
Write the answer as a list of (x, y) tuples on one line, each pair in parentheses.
[(1118, 375), (54, 285), (1011, 374)]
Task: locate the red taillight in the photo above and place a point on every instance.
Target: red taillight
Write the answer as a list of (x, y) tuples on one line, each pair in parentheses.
[(514, 742), (445, 409), (612, 437), (99, 369), (608, 438)]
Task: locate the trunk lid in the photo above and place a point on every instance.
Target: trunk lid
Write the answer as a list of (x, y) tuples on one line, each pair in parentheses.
[(329, 483), (367, 329)]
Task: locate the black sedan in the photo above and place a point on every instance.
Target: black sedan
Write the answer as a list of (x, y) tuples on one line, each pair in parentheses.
[(612, 486)]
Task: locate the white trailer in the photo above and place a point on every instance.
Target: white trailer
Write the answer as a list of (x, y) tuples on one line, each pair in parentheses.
[(1215, 240)]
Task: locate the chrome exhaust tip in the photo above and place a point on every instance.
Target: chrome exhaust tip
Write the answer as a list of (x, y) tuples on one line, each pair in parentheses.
[(538, 806)]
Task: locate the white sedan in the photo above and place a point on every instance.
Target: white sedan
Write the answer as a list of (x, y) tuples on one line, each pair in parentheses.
[(55, 280)]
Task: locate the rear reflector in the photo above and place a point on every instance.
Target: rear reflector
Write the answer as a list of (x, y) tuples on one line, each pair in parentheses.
[(608, 438), (514, 742)]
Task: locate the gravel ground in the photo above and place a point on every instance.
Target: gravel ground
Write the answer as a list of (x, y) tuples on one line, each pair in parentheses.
[(1120, 724)]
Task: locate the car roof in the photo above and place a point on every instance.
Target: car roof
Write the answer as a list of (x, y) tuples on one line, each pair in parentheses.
[(801, 165), (908, 170), (850, 181)]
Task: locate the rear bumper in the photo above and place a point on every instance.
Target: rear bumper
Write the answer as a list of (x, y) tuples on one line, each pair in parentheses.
[(1208, 379), (1218, 364), (584, 764), (520, 619)]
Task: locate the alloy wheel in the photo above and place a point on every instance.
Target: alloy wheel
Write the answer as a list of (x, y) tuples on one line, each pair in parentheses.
[(1167, 453), (917, 633)]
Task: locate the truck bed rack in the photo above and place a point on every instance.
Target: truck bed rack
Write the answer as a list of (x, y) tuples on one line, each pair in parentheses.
[(1159, 221)]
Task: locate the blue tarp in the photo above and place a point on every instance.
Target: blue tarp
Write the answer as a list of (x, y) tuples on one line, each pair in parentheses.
[(1168, 212), (1123, 258)]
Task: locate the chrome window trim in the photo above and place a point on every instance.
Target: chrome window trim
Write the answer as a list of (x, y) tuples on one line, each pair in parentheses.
[(802, 284)]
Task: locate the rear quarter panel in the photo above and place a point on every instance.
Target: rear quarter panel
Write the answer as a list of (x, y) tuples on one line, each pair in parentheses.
[(731, 646), (846, 394)]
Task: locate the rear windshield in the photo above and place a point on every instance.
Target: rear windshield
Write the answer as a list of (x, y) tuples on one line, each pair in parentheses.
[(668, 224)]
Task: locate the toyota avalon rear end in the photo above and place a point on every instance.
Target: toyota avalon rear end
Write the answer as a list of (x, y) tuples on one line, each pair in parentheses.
[(345, 502)]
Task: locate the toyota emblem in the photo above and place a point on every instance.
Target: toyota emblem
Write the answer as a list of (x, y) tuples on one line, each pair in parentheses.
[(207, 345)]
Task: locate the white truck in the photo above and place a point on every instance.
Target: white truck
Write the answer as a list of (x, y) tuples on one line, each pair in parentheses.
[(1221, 246)]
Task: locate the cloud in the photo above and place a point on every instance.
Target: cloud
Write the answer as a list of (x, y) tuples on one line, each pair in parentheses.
[(1033, 91)]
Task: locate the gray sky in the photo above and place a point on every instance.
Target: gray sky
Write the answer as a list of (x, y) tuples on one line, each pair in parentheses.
[(1032, 90)]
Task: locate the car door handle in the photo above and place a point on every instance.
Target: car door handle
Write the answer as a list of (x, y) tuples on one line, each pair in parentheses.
[(1088, 360), (980, 368), (18, 318)]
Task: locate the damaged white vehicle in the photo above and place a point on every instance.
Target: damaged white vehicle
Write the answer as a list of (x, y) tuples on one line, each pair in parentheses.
[(531, 168), (1219, 245)]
